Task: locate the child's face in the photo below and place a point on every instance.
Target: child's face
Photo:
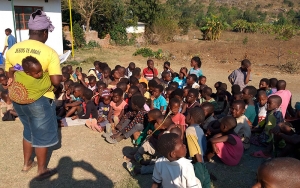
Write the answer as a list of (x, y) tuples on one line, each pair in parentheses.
[(151, 89), (2, 71), (272, 104), (191, 98), (130, 92), (156, 93), (206, 111), (181, 75), (223, 127), (262, 100), (77, 93), (168, 93), (246, 95), (180, 149), (36, 71), (116, 98), (263, 85), (202, 81), (193, 63), (66, 86), (106, 74), (116, 75), (175, 108), (189, 80), (168, 78), (150, 64), (92, 83), (131, 67), (106, 100), (237, 110), (185, 92), (3, 80)]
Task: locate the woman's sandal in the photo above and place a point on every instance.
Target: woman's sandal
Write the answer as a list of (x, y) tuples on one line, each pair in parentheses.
[(46, 175), (33, 164)]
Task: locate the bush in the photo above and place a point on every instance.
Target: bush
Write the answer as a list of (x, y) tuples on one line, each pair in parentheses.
[(78, 36), (149, 53), (290, 67), (119, 35), (245, 40), (92, 44)]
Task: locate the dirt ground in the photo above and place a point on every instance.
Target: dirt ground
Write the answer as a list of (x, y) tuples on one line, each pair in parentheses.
[(84, 159)]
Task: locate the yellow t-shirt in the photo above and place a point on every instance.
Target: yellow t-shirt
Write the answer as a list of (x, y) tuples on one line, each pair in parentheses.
[(43, 53)]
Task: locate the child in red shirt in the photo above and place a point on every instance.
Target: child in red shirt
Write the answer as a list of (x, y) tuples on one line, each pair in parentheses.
[(150, 72)]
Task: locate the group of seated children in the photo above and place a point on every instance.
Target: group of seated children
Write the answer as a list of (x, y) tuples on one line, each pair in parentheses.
[(165, 115)]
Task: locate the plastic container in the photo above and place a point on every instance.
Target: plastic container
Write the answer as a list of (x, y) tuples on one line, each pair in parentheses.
[(1, 59)]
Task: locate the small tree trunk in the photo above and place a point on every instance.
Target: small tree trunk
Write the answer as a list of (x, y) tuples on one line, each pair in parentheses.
[(87, 21)]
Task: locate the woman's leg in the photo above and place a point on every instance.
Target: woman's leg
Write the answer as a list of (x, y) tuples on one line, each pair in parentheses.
[(27, 152)]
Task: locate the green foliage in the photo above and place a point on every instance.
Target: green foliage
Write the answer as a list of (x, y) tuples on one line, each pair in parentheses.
[(92, 44), (78, 36), (118, 34), (145, 10), (212, 28), (245, 40), (149, 53), (288, 3)]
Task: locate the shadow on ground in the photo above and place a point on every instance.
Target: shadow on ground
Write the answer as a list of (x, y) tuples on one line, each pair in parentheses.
[(65, 178)]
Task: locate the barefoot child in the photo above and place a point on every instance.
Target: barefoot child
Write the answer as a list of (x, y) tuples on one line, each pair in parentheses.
[(243, 128), (196, 140), (75, 104), (173, 170), (177, 117), (227, 145), (117, 108), (132, 122)]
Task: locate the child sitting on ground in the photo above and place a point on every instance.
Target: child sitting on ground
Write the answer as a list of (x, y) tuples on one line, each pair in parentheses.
[(117, 108), (7, 111), (101, 89), (132, 123), (178, 94), (181, 79), (262, 107), (191, 100), (242, 75), (206, 97), (264, 85), (274, 117), (65, 77), (177, 117), (103, 111), (75, 103), (143, 89), (279, 172), (166, 78), (173, 170), (115, 79), (243, 128), (196, 140), (130, 69), (196, 64), (149, 146), (191, 81), (249, 93), (157, 100), (186, 92), (202, 81), (150, 72), (208, 110), (106, 76), (227, 145), (273, 84)]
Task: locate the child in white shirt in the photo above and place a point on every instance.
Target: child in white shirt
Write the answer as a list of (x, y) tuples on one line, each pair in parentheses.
[(173, 170)]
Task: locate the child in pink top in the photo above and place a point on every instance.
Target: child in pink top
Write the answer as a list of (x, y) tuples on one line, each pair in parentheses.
[(177, 117), (117, 106), (227, 145)]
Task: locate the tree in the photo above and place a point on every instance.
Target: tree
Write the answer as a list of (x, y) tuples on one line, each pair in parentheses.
[(145, 10), (86, 9)]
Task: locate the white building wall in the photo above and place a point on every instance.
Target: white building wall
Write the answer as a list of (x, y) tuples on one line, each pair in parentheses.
[(137, 29), (52, 9)]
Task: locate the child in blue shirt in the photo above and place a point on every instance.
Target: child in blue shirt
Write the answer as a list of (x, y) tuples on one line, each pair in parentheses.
[(181, 79), (196, 64), (157, 100)]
